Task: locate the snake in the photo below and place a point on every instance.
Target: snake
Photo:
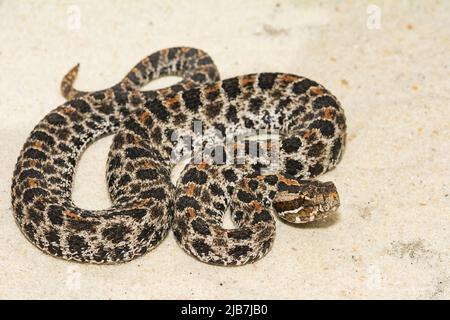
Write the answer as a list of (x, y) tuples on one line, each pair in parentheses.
[(312, 133), (43, 176)]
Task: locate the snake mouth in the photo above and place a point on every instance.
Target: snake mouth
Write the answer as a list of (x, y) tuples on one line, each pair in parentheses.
[(317, 201)]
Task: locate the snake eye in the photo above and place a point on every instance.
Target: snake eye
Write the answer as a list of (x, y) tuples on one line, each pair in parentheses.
[(284, 202)]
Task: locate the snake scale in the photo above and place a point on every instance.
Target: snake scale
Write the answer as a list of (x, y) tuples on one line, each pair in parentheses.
[(145, 203)]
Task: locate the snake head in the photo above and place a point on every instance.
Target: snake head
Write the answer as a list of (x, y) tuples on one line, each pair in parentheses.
[(306, 201)]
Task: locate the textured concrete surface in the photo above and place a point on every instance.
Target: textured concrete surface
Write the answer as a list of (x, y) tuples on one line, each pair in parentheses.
[(387, 61)]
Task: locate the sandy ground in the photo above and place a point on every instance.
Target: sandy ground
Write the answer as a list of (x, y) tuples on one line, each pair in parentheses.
[(387, 62)]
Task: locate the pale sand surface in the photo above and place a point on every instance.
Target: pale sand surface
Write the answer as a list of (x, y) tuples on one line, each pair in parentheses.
[(391, 238)]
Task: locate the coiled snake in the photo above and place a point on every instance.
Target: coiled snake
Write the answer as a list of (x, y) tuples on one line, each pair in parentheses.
[(311, 125)]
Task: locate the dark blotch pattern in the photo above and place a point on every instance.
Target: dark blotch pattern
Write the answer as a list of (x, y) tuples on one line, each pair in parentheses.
[(231, 87), (80, 105), (30, 173), (201, 247), (116, 233), (302, 86), (55, 214), (77, 243), (316, 149), (132, 125), (146, 233), (134, 153), (325, 101), (155, 193), (56, 119), (271, 179), (192, 99), (35, 154), (44, 137), (255, 105), (315, 170), (32, 193), (245, 196), (195, 175), (230, 175), (239, 251), (336, 149), (200, 226), (187, 202), (216, 190), (240, 234), (266, 80), (293, 167), (232, 114), (325, 127), (53, 240), (106, 108), (263, 216), (291, 144), (147, 174)]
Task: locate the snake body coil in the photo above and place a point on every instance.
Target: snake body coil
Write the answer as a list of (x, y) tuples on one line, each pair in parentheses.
[(311, 124), (42, 182)]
